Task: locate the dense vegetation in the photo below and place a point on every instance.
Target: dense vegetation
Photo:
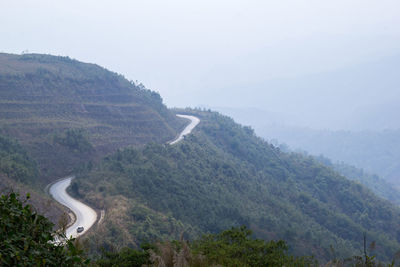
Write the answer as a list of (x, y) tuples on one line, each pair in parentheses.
[(376, 152), (19, 172), (15, 162), (376, 184), (223, 176), (27, 238), (46, 101), (68, 115), (74, 139), (234, 247)]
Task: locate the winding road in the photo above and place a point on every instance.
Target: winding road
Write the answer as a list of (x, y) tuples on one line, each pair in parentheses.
[(85, 216), (188, 129)]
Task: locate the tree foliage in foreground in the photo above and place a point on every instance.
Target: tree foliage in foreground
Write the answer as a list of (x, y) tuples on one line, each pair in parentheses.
[(27, 238), (234, 247), (126, 257)]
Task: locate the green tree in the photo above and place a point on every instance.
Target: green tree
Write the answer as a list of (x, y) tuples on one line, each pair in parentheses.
[(235, 247), (125, 257), (15, 162), (27, 238), (74, 139)]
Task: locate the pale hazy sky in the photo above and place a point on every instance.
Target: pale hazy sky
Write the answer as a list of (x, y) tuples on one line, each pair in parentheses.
[(188, 50)]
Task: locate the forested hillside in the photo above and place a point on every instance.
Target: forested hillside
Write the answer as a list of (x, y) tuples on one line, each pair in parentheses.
[(15, 163), (19, 172), (377, 152), (223, 175), (59, 116), (376, 184), (66, 112)]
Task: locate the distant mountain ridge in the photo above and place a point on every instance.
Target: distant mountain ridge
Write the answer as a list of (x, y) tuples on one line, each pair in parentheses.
[(364, 96), (377, 152)]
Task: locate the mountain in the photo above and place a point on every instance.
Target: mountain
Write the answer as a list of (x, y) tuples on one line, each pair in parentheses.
[(60, 116), (57, 113), (223, 175), (376, 184), (65, 112), (376, 152), (368, 157)]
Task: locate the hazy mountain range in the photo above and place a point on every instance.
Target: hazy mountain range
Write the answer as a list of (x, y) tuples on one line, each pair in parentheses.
[(362, 97)]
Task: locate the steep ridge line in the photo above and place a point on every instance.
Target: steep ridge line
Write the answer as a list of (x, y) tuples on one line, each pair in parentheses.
[(85, 216)]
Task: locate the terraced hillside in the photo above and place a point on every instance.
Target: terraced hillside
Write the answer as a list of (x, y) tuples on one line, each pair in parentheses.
[(43, 97)]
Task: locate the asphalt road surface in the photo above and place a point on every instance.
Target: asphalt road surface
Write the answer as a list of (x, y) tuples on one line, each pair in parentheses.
[(85, 216)]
